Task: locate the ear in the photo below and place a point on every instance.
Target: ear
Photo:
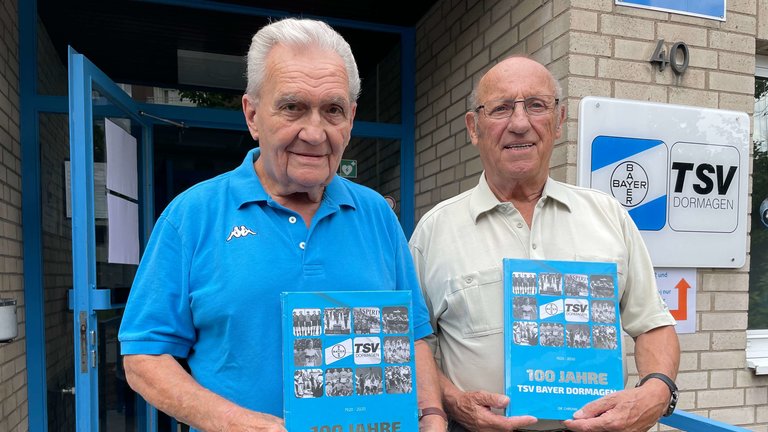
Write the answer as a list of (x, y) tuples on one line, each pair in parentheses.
[(249, 110), (559, 121), (469, 120)]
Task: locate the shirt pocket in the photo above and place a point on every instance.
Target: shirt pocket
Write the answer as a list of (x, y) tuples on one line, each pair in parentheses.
[(477, 302)]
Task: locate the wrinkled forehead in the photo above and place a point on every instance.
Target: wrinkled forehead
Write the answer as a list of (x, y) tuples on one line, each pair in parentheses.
[(515, 78)]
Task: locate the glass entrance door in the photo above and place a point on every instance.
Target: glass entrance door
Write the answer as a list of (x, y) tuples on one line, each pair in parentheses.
[(105, 202)]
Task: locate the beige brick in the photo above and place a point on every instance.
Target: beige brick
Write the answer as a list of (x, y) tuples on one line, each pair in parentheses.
[(582, 65), (694, 341), (731, 42), (723, 321), (747, 378), (742, 6), (581, 20), (762, 20), (702, 58), (722, 281), (672, 33), (762, 416), (740, 23), (561, 46), (744, 103), (692, 78), (538, 19), (689, 361), (721, 379), (692, 380), (703, 300), (723, 360), (555, 28), (580, 87), (700, 98), (624, 70), (720, 398), (757, 396), (651, 93), (699, 22), (627, 26), (633, 49), (503, 44), (734, 416), (737, 62), (585, 43), (731, 301), (733, 340), (732, 82), (598, 5)]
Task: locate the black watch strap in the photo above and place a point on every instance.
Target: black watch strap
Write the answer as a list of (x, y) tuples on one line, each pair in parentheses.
[(672, 389), (432, 411)]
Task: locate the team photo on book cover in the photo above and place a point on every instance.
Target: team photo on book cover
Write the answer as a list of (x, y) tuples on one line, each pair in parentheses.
[(348, 362), (562, 338)]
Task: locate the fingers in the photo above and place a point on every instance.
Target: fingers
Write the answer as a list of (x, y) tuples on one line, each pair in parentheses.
[(476, 415), (487, 399)]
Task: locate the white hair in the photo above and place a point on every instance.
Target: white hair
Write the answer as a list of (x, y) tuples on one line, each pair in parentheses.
[(299, 33)]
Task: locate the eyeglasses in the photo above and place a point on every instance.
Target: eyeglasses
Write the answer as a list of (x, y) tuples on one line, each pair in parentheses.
[(533, 106)]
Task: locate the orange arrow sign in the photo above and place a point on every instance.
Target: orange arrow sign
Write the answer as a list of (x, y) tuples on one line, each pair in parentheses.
[(681, 313)]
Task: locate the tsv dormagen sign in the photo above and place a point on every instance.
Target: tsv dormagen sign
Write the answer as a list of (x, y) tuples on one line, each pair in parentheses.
[(681, 173)]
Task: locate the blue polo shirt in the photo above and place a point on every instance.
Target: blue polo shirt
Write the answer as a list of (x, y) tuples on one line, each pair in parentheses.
[(208, 286)]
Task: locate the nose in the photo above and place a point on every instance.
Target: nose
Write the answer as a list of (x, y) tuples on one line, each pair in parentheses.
[(313, 128), (518, 122)]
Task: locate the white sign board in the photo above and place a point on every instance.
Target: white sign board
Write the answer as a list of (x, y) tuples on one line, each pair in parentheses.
[(681, 172)]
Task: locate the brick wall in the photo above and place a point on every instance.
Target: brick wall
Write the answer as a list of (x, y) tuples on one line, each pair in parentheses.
[(596, 48), (13, 373)]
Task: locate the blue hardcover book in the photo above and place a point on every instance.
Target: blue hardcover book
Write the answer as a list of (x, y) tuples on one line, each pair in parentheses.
[(562, 336), (348, 362)]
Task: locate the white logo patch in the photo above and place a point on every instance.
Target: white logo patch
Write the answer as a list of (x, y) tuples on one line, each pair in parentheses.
[(240, 231)]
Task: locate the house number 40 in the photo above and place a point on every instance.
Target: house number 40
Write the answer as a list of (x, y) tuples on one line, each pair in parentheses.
[(677, 58)]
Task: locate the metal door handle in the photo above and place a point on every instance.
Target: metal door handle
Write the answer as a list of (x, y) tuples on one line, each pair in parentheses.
[(70, 390)]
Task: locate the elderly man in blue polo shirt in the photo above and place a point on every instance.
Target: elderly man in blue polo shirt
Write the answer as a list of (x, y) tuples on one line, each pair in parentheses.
[(208, 287)]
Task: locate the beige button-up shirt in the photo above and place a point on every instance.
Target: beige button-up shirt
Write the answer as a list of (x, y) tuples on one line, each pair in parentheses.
[(458, 248)]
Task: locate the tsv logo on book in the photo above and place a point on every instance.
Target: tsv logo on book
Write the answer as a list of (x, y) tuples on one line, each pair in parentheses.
[(367, 350), (338, 351), (634, 171), (576, 310)]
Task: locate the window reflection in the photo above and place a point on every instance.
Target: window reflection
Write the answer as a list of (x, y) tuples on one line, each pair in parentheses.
[(758, 271)]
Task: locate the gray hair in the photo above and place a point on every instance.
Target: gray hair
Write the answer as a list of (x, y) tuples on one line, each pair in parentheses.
[(300, 33)]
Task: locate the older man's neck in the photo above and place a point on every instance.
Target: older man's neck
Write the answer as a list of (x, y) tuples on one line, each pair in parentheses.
[(303, 203), (524, 196)]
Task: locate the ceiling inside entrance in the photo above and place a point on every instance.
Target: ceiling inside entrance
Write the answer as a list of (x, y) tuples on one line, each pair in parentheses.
[(138, 41)]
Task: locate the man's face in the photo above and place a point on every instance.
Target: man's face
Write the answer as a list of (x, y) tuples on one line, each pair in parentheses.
[(515, 150), (302, 119)]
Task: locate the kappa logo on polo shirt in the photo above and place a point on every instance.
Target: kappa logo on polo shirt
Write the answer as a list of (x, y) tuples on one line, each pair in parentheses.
[(240, 231)]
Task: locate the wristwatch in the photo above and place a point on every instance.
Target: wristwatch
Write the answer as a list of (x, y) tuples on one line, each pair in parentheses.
[(672, 389), (432, 411)]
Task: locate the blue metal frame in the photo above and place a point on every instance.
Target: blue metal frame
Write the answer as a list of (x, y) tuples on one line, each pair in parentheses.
[(86, 298), (691, 422), (30, 219)]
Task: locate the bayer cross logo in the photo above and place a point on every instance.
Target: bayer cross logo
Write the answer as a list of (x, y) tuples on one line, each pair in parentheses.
[(338, 351), (551, 308), (629, 183)]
